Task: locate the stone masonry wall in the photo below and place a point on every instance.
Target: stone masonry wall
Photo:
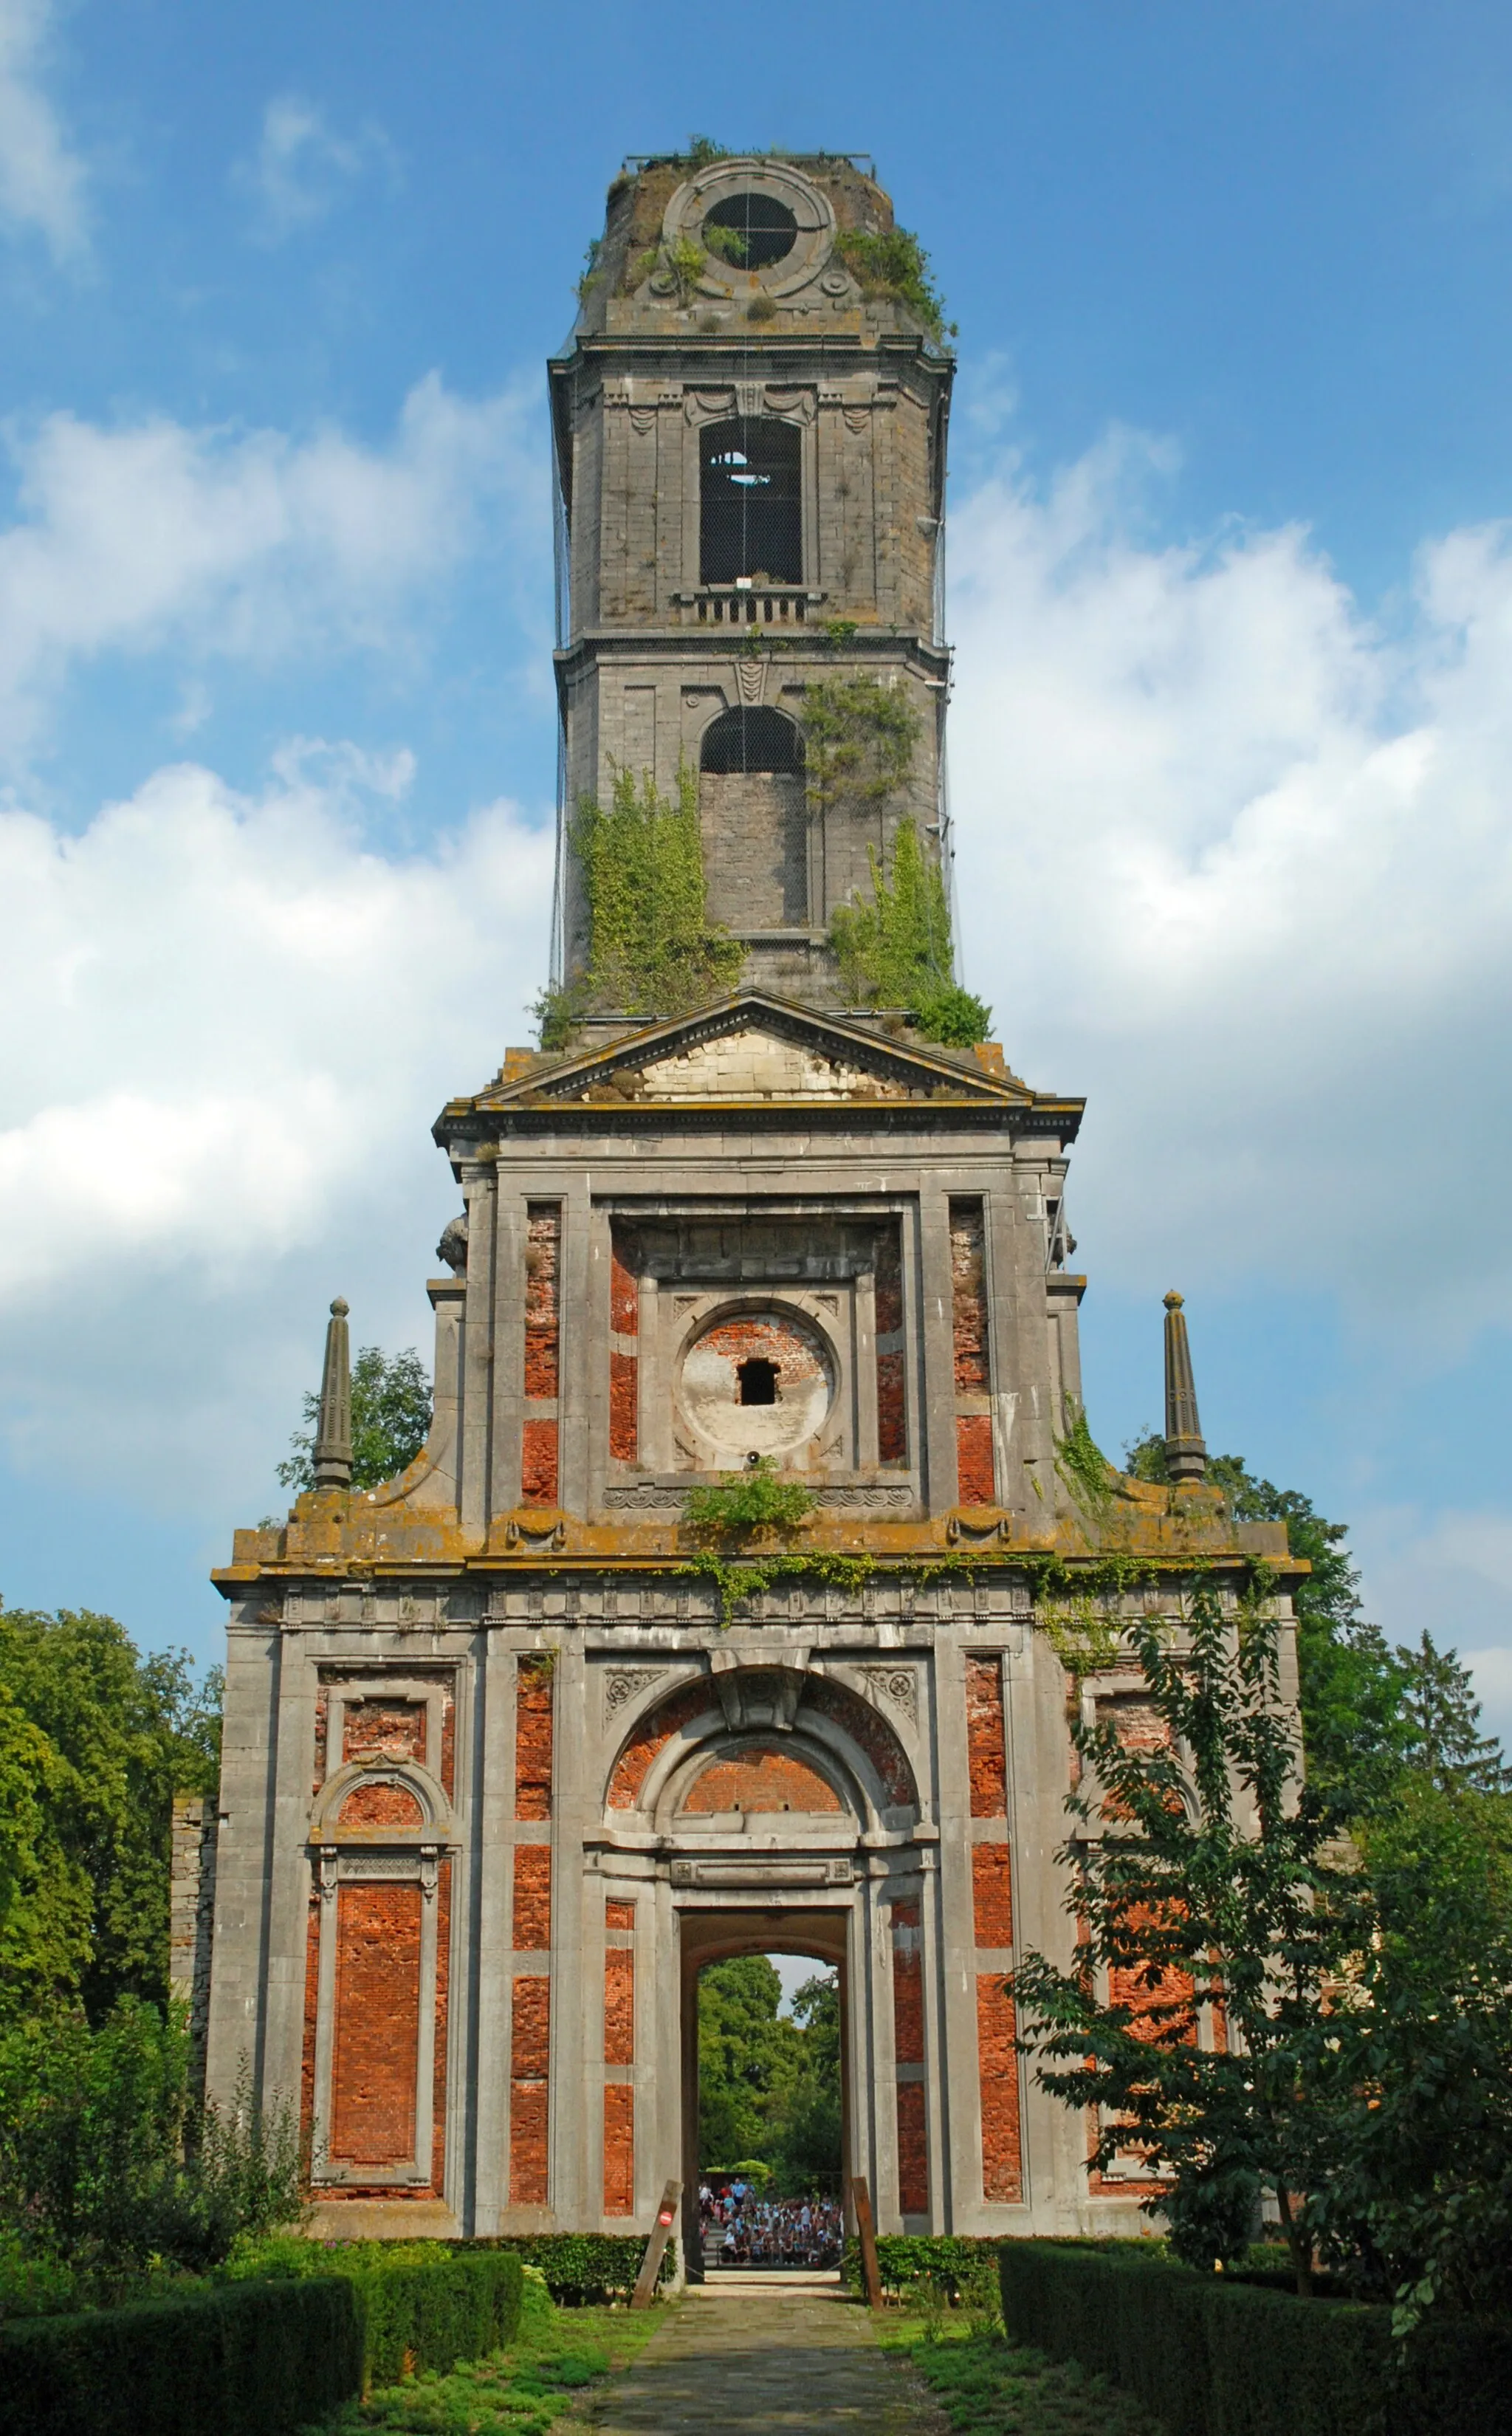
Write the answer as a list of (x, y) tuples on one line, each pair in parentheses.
[(619, 2057), (531, 1988), (975, 1474), (541, 1455), (992, 1903), (908, 2051)]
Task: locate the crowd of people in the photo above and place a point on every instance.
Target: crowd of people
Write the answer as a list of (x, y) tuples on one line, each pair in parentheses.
[(741, 2229)]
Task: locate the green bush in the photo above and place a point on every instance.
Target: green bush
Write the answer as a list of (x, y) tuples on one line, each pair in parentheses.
[(236, 2359), (582, 2268), (1212, 2356), (422, 2305), (948, 2264)]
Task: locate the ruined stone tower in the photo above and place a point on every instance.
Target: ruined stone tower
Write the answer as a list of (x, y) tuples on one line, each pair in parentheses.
[(513, 1746), (752, 463)]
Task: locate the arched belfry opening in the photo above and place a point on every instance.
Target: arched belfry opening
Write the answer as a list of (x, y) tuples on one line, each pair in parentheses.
[(751, 501), (753, 809)]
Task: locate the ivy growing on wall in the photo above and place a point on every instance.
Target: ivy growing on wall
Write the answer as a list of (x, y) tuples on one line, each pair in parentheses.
[(651, 948), (892, 263), (859, 739), (895, 951)]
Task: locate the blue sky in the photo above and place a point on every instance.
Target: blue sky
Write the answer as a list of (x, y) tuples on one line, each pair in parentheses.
[(1232, 751)]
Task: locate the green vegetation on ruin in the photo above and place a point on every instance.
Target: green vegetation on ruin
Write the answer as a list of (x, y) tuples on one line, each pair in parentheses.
[(651, 948)]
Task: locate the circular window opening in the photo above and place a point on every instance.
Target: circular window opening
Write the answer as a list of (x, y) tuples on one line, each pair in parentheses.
[(758, 1383), (750, 232)]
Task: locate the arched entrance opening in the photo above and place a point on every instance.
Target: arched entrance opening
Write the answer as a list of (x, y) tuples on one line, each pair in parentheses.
[(709, 1938), (761, 1794)]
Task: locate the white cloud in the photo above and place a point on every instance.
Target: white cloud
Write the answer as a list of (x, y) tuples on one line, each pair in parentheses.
[(42, 181), (230, 1025), (1239, 865), (303, 167), (154, 538)]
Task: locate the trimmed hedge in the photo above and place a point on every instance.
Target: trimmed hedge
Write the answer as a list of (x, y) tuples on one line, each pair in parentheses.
[(583, 2268), (430, 2313), (244, 2360), (1212, 2356), (264, 2356), (956, 2265)]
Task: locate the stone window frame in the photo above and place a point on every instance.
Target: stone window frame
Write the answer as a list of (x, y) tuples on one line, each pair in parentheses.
[(387, 1855), (839, 1432), (689, 204), (757, 400)]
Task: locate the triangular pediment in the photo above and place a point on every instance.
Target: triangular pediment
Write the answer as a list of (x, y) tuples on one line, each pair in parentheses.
[(757, 1050)]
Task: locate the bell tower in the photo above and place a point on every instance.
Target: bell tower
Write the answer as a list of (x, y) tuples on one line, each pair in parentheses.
[(759, 1554), (750, 431)]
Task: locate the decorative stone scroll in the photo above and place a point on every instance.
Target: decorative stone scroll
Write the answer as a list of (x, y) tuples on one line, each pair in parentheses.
[(897, 1685), (624, 1683)]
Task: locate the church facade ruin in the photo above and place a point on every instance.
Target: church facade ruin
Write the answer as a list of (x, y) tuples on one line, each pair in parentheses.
[(513, 1746)]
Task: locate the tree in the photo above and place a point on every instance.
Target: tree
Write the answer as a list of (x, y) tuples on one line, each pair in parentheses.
[(391, 1420), (1368, 1711), (1202, 2016), (1419, 2205), (748, 2061), (96, 1739), (107, 2158), (809, 2144)]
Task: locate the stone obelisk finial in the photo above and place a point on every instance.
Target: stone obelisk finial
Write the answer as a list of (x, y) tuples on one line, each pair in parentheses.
[(1186, 1451), (333, 1436)]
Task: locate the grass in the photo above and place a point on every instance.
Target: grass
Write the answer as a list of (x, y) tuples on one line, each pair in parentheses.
[(514, 2392), (989, 2387)]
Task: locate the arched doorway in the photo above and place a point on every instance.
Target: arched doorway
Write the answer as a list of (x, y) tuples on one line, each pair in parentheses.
[(710, 1936), (775, 1808)]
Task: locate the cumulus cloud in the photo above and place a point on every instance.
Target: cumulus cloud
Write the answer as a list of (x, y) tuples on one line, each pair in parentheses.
[(41, 180), (1241, 868), (218, 542), (239, 1018), (231, 1022), (302, 168)]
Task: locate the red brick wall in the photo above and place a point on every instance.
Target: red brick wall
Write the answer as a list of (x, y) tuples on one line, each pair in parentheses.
[(913, 2150), (619, 2005), (532, 1739), (985, 1754), (529, 2063), (438, 2099), (761, 1780), (1002, 2176), (533, 1898), (391, 1729), (652, 1736), (375, 2048), (381, 1805), (624, 1370), (619, 2053), (975, 1482), (993, 1906), (976, 1477), (992, 1887), (618, 2149), (908, 1986), (892, 1410), (539, 1483), (907, 2050), (875, 1736)]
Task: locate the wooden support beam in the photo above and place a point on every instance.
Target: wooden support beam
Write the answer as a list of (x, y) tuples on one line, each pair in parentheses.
[(871, 2272), (651, 2265)]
